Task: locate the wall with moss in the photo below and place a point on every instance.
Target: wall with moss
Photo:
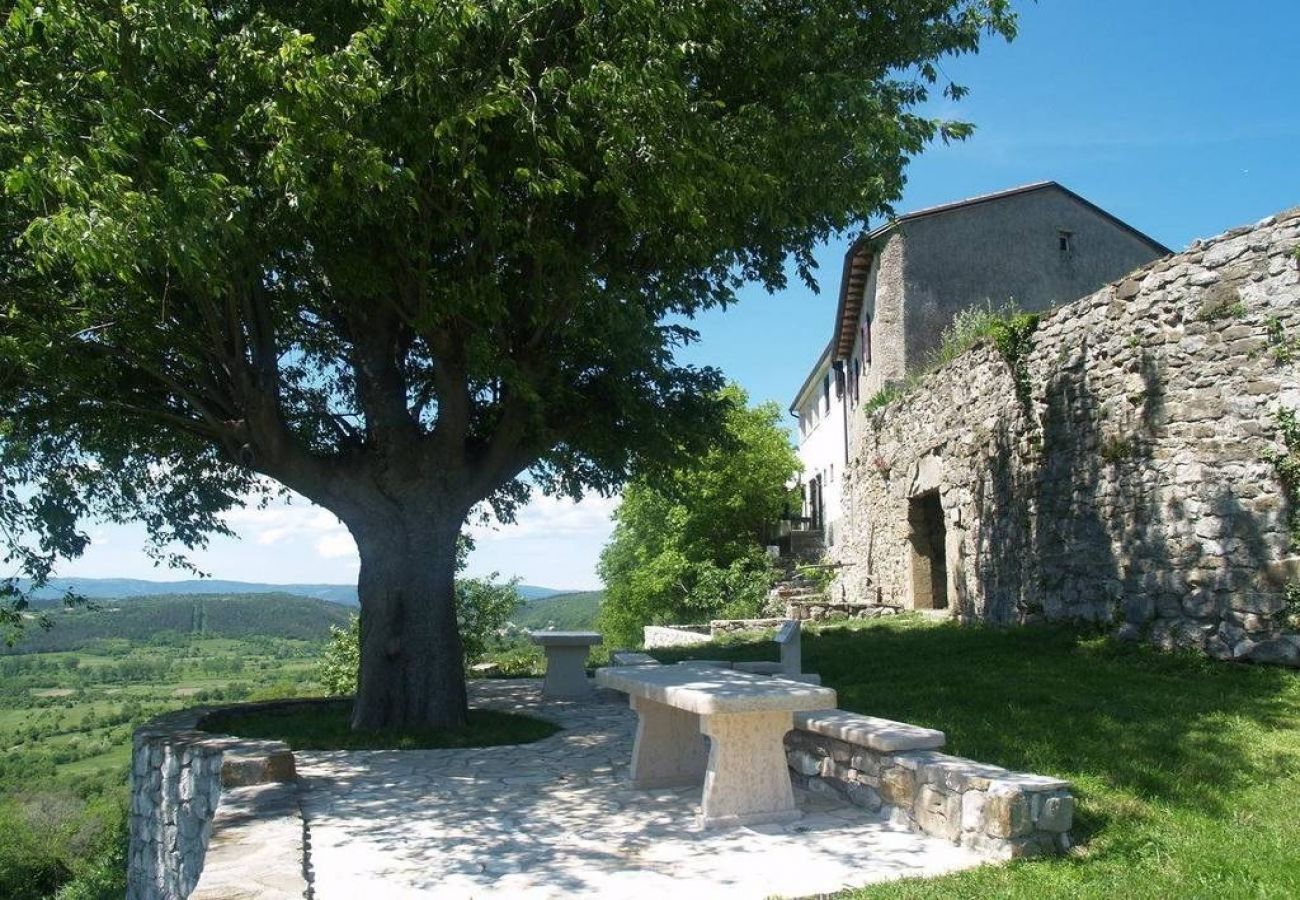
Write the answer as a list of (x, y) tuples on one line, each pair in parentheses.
[(1130, 465)]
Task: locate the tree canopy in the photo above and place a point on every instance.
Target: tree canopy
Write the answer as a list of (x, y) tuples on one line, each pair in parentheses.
[(688, 542), (405, 257)]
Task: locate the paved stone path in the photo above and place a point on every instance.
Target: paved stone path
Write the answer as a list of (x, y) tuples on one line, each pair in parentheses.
[(558, 818)]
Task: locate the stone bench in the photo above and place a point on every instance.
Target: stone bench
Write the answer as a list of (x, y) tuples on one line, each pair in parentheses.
[(894, 767)]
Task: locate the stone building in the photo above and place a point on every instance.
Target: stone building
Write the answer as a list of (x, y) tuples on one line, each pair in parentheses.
[(1132, 462), (1039, 245)]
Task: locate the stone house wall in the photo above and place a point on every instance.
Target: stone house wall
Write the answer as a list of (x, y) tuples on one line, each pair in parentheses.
[(1008, 249), (1124, 476), (928, 266)]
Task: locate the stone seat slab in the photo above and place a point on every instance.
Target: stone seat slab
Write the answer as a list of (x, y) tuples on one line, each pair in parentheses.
[(632, 658), (712, 691), (759, 668), (565, 638), (881, 735)]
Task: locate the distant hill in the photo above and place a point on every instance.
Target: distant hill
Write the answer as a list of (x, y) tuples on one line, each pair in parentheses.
[(211, 615), (575, 611), (123, 588)]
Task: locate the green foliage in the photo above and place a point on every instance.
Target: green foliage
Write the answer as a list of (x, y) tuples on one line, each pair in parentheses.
[(821, 575), (969, 327), (55, 841), (563, 612), (687, 541), (483, 608), (1117, 449), (327, 726), (411, 254), (1013, 337), (519, 659), (1283, 348), (340, 661), (66, 719), (1290, 614), (1221, 301), (886, 395), (179, 616), (1286, 463)]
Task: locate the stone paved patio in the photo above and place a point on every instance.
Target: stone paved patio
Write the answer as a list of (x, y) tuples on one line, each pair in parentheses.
[(558, 818)]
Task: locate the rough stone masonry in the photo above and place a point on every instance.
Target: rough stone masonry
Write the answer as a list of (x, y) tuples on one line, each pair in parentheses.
[(1126, 467)]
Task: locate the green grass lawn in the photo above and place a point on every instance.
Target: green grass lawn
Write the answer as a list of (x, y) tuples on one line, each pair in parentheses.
[(326, 727), (1187, 771)]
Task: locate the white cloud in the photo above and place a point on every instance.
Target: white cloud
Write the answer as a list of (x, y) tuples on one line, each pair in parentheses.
[(553, 517), (334, 546), (283, 522)]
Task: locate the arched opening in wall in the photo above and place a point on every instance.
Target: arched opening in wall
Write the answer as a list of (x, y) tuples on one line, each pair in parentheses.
[(927, 536)]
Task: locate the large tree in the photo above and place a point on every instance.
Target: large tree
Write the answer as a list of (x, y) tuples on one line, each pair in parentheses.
[(403, 257)]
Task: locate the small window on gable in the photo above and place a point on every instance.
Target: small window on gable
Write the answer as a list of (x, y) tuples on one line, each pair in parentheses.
[(826, 390), (866, 340), (1065, 241)]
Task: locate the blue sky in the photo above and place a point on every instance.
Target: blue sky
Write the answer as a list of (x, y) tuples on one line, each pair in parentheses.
[(1182, 118)]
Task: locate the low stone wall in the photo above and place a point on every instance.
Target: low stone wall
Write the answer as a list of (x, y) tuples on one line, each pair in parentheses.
[(178, 775), (660, 636), (824, 610), (1001, 814), (734, 626)]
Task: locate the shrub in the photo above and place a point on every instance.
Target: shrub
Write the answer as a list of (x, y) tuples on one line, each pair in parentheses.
[(482, 609)]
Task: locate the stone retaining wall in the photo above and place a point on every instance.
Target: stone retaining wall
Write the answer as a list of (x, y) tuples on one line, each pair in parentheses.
[(659, 636), (1001, 814), (178, 775), (1117, 469), (826, 610)]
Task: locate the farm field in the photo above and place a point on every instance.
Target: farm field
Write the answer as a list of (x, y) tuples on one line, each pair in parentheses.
[(66, 717)]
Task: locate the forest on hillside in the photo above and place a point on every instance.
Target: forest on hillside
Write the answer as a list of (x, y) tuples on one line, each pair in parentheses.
[(171, 617), (576, 611)]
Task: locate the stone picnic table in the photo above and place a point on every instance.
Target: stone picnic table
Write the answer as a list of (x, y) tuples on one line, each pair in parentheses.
[(566, 662), (745, 718)]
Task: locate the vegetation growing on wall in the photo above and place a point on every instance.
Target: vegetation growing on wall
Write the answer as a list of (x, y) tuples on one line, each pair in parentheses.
[(1006, 326), (1117, 449), (1287, 465), (1012, 336), (1283, 347), (1221, 301)]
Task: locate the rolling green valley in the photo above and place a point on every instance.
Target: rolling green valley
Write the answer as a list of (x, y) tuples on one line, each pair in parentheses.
[(70, 696)]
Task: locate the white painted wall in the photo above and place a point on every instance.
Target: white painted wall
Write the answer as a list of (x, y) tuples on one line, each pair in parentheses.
[(821, 441)]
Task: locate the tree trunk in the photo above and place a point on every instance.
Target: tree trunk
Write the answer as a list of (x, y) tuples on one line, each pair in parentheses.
[(412, 673)]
